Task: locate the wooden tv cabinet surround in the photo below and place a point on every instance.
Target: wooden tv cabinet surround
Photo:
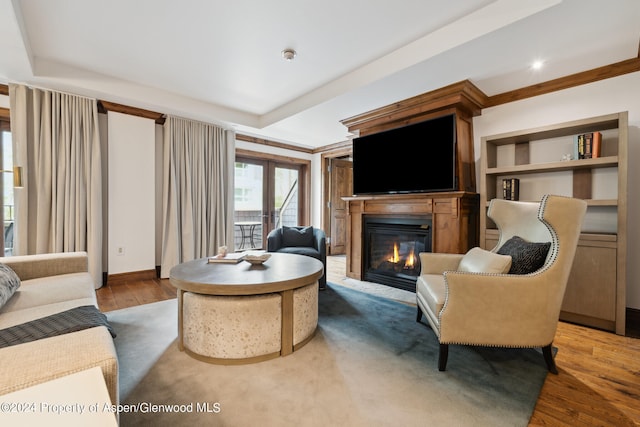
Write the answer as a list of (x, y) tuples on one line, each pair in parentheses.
[(455, 214)]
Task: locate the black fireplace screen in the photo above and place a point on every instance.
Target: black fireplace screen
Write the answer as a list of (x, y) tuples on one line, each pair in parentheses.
[(392, 246)]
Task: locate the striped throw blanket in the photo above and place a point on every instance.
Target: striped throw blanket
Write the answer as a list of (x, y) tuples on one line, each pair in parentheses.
[(72, 320)]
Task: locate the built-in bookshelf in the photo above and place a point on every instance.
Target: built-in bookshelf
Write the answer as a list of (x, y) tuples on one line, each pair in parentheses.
[(543, 161)]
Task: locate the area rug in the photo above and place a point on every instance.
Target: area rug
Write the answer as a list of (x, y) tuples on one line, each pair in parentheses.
[(369, 364)]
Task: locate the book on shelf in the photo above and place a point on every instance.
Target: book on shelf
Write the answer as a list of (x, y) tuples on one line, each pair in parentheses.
[(511, 189), (596, 151), (230, 258), (580, 147), (588, 145)]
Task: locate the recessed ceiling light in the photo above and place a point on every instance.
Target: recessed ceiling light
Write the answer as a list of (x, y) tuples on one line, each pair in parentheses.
[(536, 65), (289, 54)]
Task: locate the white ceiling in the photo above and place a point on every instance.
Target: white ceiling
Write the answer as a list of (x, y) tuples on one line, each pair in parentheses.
[(219, 61)]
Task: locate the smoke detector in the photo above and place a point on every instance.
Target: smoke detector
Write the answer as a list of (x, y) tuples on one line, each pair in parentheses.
[(288, 54)]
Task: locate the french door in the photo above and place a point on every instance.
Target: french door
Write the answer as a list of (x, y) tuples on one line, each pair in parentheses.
[(267, 195)]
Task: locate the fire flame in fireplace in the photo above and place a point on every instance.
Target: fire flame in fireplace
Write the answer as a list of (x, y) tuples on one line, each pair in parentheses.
[(395, 258), (410, 260)]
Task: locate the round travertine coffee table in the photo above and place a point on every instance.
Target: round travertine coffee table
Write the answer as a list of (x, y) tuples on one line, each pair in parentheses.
[(243, 313)]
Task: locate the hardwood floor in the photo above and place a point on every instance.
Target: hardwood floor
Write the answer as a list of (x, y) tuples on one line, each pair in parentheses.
[(125, 293), (599, 372)]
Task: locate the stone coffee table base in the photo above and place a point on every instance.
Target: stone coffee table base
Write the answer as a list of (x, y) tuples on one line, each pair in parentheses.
[(243, 329)]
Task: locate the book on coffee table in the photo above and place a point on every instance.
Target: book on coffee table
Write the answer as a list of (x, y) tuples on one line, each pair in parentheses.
[(232, 258)]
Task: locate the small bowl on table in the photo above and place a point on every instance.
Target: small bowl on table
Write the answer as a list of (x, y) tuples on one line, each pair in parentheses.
[(257, 259)]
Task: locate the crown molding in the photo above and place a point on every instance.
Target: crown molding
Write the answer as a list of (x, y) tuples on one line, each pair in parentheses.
[(262, 141), (578, 79), (338, 146)]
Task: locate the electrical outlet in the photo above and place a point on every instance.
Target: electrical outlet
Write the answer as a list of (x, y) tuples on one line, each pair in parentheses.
[(120, 250)]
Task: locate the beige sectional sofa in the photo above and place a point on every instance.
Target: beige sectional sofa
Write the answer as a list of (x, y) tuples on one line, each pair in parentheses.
[(49, 284)]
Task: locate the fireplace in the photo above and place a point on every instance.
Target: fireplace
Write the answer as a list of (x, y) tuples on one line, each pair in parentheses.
[(391, 248)]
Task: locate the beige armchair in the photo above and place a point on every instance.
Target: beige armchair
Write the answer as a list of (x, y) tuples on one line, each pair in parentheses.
[(488, 305)]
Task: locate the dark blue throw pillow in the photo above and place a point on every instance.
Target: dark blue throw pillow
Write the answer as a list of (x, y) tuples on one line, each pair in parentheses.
[(293, 236), (526, 257)]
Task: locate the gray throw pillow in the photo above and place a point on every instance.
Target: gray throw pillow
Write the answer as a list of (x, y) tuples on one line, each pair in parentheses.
[(9, 283), (526, 257), (293, 236)]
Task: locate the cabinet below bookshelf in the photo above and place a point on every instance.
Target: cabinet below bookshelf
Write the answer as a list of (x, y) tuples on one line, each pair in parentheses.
[(595, 263)]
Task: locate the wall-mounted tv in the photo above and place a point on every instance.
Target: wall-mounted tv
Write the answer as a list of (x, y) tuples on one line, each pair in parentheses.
[(420, 157)]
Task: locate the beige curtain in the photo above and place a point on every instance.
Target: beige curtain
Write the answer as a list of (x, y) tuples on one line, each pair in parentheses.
[(56, 141), (198, 191)]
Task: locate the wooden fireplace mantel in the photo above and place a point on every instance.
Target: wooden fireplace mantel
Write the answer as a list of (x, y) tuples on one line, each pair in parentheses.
[(454, 217)]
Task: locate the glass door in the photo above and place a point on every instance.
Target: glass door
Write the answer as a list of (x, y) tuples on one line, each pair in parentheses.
[(250, 202), (285, 207), (266, 197)]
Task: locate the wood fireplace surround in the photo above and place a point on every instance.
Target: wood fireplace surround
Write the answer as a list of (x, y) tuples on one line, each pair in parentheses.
[(454, 215)]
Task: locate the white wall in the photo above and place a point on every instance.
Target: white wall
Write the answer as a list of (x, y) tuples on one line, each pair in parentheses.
[(131, 196), (595, 99)]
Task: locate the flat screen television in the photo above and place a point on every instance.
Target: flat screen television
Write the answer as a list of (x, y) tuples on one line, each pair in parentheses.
[(417, 158)]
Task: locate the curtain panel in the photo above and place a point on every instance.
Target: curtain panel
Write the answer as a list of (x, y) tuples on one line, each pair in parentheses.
[(57, 143), (198, 191)]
